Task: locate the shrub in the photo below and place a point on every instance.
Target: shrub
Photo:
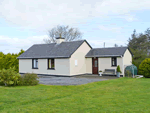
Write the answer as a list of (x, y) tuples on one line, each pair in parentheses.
[(28, 79), (1, 83), (100, 71), (128, 73), (144, 68), (118, 69), (9, 76)]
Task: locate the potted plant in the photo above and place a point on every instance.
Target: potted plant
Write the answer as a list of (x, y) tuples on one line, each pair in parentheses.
[(118, 71), (100, 73)]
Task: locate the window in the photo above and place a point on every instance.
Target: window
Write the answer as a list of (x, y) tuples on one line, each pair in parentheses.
[(95, 63), (114, 61), (51, 64), (76, 63), (35, 63)]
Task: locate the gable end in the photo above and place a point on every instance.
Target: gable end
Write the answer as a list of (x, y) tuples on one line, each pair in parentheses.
[(129, 51), (80, 45)]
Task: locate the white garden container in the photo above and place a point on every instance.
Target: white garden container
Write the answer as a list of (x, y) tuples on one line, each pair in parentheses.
[(100, 73)]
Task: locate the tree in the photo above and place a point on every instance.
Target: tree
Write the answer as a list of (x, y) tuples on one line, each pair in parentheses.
[(139, 45), (10, 60), (147, 32), (66, 32), (139, 41), (21, 51)]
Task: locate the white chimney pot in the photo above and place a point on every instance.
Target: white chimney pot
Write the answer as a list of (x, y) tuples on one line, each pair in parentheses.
[(59, 40)]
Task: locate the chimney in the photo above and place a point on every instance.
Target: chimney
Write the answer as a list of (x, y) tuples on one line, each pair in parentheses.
[(59, 40)]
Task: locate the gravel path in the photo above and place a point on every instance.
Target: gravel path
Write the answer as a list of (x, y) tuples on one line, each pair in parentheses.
[(66, 80)]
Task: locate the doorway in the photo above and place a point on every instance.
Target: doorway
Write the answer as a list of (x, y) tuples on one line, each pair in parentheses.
[(95, 65)]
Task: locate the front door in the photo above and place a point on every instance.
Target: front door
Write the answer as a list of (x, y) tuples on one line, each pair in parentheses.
[(95, 65)]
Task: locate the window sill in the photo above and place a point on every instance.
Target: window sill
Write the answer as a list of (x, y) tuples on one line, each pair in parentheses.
[(113, 66), (51, 69), (35, 68)]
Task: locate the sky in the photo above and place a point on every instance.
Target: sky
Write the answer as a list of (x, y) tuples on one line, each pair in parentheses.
[(26, 22)]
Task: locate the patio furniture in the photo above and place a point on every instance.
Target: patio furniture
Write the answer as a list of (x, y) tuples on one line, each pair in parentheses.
[(109, 72)]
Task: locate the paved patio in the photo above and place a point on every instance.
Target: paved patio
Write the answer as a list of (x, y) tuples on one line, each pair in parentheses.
[(76, 80)]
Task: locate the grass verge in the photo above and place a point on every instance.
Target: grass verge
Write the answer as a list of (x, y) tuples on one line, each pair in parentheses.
[(118, 95)]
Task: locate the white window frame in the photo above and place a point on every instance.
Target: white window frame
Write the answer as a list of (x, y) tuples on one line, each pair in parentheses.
[(49, 63), (114, 61), (35, 63)]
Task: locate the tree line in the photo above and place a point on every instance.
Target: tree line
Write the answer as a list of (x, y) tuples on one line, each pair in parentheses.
[(10, 60), (139, 44)]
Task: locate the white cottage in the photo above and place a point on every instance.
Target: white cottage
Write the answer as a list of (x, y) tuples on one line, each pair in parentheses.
[(73, 58)]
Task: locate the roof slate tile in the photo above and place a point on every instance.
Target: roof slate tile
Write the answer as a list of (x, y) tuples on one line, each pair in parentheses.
[(106, 52), (53, 50)]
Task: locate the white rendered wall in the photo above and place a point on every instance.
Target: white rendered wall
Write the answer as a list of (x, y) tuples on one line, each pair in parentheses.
[(62, 67), (105, 63), (79, 55)]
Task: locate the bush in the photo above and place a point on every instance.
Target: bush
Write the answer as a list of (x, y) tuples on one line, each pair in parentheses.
[(9, 76), (144, 68), (28, 79), (1, 83), (118, 69)]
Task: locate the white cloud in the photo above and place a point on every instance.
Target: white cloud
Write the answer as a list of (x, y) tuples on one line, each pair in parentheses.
[(41, 15), (122, 6), (14, 45), (110, 28), (128, 17), (44, 14)]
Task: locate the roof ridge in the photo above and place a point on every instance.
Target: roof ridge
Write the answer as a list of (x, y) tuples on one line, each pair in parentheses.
[(74, 40), (110, 47)]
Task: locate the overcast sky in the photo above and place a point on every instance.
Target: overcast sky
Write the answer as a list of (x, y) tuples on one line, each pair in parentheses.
[(26, 22)]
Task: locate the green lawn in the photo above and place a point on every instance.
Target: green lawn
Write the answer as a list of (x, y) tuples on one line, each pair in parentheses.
[(118, 95)]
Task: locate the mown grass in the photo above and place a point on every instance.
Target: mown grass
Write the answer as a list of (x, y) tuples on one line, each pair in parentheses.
[(119, 95)]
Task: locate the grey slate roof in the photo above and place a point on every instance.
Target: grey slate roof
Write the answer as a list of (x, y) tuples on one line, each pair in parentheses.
[(53, 50), (106, 52)]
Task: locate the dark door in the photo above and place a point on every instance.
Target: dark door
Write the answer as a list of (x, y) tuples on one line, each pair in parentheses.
[(95, 65)]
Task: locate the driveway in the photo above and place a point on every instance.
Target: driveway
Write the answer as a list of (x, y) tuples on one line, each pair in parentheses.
[(78, 80)]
